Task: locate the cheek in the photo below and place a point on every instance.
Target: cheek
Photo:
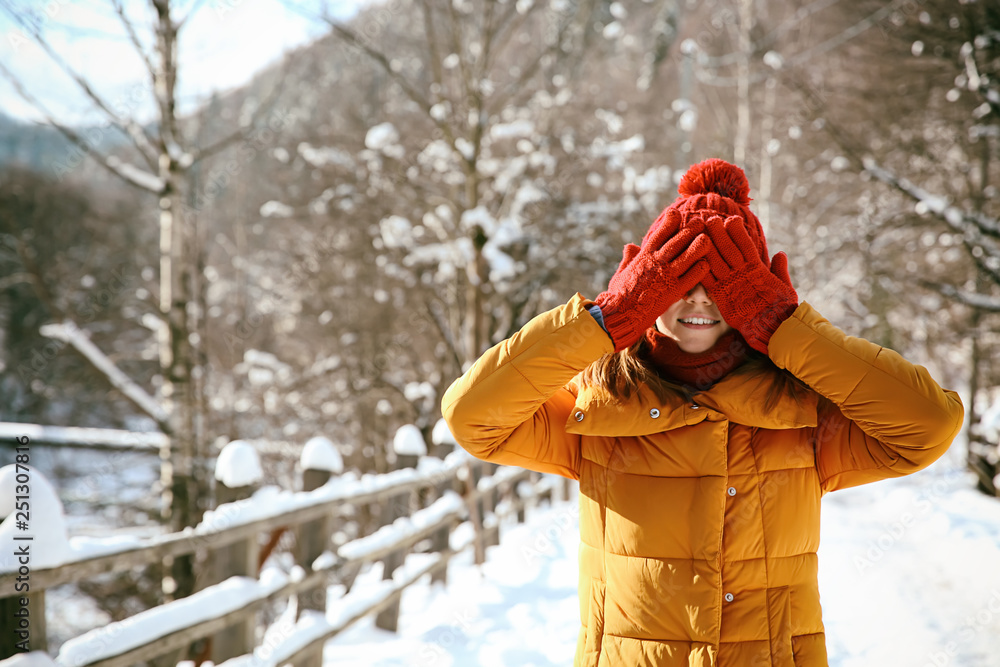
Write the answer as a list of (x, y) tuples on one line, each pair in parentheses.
[(670, 313), (662, 325)]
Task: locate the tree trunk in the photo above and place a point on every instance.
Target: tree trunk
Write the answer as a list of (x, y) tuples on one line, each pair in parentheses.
[(176, 355), (978, 457)]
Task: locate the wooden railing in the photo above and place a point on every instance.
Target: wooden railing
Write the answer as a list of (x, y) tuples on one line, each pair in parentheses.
[(412, 515)]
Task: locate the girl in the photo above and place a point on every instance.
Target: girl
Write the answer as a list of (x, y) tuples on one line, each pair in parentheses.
[(705, 412)]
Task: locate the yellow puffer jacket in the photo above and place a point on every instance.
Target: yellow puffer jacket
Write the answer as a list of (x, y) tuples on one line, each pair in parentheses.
[(700, 522)]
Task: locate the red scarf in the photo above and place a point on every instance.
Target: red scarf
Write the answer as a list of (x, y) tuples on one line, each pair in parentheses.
[(696, 371)]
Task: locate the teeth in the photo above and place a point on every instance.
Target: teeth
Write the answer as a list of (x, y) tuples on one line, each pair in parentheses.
[(697, 320)]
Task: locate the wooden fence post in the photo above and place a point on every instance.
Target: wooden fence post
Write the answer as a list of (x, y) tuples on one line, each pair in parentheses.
[(490, 469), (238, 474), (442, 441), (440, 541), (23, 624), (312, 539), (320, 461), (491, 522), (441, 538), (388, 618), (520, 500), (545, 494), (408, 445), (477, 471), (564, 488)]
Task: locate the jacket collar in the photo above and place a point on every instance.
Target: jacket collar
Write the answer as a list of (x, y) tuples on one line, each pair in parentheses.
[(739, 398)]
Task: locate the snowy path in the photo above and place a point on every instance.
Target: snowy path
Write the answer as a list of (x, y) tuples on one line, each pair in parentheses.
[(909, 575), (519, 609)]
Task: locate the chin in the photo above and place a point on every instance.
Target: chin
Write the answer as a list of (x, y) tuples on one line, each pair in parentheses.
[(695, 348)]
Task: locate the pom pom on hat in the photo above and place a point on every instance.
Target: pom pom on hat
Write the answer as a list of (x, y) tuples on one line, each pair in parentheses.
[(717, 188), (718, 176)]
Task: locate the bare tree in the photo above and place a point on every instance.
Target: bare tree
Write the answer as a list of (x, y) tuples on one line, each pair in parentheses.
[(461, 73), (480, 170), (911, 111), (161, 159)]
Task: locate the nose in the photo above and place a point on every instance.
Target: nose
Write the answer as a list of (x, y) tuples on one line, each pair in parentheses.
[(698, 295)]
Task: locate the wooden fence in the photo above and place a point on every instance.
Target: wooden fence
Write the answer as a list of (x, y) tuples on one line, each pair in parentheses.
[(413, 516)]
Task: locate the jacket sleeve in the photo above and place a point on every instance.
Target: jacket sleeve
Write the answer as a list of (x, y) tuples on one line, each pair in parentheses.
[(883, 416), (512, 405)]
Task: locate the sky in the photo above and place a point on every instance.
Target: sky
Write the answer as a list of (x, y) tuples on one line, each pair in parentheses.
[(223, 45)]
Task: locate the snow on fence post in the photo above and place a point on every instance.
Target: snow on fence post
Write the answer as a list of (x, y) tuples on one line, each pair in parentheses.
[(238, 473), (442, 441), (409, 446), (320, 461), (24, 625)]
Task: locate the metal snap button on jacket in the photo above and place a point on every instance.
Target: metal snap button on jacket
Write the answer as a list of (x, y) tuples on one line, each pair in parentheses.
[(578, 416), (654, 413), (729, 597), (731, 491)]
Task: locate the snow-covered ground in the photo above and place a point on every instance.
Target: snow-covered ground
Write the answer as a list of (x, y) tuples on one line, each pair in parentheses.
[(909, 575), (519, 609)]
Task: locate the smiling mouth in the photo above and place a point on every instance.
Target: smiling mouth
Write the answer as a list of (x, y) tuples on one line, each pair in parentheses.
[(697, 321)]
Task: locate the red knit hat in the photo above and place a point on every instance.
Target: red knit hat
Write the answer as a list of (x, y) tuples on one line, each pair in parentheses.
[(716, 187)]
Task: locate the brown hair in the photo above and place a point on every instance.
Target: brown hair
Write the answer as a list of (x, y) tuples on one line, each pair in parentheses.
[(620, 374)]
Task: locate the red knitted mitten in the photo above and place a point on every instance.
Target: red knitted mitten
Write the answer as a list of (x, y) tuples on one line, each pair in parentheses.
[(649, 279), (753, 298)]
